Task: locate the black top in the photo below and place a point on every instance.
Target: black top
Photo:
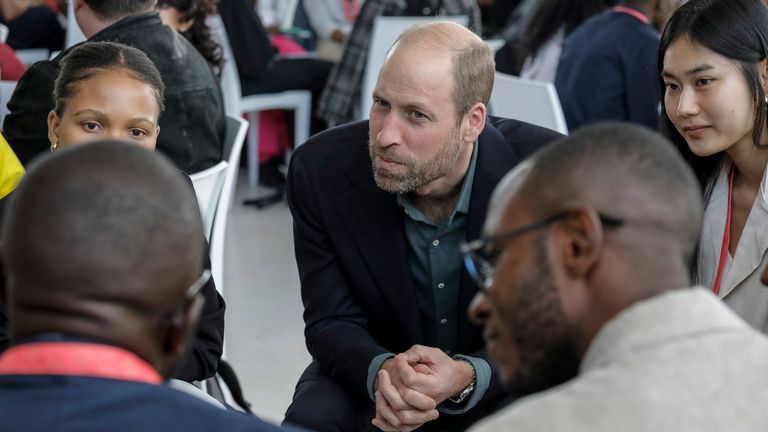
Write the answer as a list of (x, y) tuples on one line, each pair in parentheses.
[(37, 27), (191, 127)]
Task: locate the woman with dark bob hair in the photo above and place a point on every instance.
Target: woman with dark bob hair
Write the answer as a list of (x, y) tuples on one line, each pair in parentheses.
[(714, 75)]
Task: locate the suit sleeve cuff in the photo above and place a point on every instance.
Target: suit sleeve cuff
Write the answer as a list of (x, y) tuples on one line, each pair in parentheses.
[(373, 369), (482, 381)]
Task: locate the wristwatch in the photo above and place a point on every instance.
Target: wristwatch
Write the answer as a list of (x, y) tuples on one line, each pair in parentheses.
[(464, 395)]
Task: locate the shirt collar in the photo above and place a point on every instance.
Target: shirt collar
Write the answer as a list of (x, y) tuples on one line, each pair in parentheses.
[(462, 205), (56, 355)]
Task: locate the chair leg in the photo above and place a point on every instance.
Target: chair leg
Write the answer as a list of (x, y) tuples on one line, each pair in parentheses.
[(253, 148)]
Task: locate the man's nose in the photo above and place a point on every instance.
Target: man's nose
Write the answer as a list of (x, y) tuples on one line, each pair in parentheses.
[(479, 309), (391, 131)]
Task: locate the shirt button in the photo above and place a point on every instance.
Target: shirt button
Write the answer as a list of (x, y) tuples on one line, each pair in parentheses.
[(443, 321), (441, 285), (435, 242)]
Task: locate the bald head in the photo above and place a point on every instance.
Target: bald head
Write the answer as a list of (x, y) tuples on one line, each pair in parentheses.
[(100, 241), (622, 170), (473, 66)]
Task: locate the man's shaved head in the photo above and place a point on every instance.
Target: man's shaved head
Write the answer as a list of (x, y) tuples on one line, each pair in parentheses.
[(613, 215), (623, 170), (472, 60), (101, 240)]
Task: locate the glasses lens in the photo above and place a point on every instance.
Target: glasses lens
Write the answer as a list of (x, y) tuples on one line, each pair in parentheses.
[(479, 270)]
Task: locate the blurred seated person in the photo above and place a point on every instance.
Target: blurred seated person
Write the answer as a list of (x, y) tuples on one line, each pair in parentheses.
[(111, 91), (193, 126), (259, 68), (495, 15), (188, 18), (607, 68), (272, 13), (102, 316), (341, 95), (31, 25), (332, 22), (536, 52), (587, 296)]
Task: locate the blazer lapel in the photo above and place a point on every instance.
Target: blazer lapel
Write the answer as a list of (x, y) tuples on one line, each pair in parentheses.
[(753, 244), (375, 223)]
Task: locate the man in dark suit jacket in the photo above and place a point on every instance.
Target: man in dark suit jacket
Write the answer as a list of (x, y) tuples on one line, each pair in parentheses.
[(384, 292), (101, 316), (192, 126)]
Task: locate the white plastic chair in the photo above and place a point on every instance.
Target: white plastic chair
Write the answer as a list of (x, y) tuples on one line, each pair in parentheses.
[(529, 101), (32, 55), (386, 30), (74, 35), (6, 90), (208, 185), (233, 144), (298, 100)]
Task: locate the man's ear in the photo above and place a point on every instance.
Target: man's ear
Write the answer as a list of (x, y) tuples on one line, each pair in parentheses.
[(473, 122), (579, 241), (178, 333)]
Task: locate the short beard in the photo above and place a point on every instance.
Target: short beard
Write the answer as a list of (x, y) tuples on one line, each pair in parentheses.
[(547, 356), (418, 173)]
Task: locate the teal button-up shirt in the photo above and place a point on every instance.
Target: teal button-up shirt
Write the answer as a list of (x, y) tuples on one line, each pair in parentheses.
[(436, 266)]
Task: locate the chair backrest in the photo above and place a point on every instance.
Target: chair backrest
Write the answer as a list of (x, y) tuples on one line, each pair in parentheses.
[(233, 144), (208, 184), (32, 55), (529, 101), (230, 79), (386, 30), (74, 34), (6, 90)]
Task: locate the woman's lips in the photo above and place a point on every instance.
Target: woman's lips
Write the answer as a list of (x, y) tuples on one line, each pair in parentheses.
[(695, 131)]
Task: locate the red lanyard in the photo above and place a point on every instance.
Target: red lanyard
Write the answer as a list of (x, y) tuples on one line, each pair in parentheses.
[(634, 13), (726, 238), (77, 359), (351, 9)]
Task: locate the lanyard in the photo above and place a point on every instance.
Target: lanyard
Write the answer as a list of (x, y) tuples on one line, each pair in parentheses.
[(726, 238), (634, 13), (351, 9), (77, 359)]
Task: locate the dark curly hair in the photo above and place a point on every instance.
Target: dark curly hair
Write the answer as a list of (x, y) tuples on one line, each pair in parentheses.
[(199, 35)]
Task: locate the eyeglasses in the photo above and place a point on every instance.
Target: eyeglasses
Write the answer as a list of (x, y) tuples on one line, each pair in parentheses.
[(478, 264), (192, 292)]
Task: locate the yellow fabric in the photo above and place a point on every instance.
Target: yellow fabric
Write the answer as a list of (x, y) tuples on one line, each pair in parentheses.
[(11, 170)]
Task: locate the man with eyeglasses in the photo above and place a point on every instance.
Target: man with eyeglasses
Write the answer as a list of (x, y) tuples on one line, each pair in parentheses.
[(102, 251), (587, 298), (380, 208)]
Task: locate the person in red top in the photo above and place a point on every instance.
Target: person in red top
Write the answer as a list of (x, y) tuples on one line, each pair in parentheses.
[(11, 68)]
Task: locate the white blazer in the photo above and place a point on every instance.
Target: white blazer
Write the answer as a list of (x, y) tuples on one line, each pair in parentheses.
[(740, 287)]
